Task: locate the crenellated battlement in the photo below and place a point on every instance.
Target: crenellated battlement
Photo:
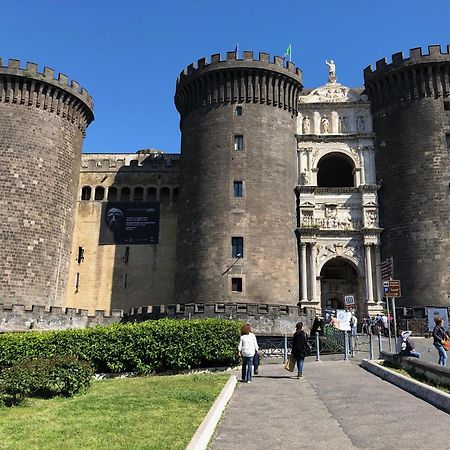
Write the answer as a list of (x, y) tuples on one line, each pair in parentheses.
[(236, 80), (216, 62), (15, 317), (416, 56), (407, 79), (28, 86)]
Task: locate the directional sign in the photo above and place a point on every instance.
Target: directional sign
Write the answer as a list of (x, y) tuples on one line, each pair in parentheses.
[(392, 288)]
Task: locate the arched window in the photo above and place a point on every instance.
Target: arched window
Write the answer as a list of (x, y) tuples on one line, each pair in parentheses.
[(175, 195), (165, 195), (86, 193), (99, 193), (335, 170), (152, 194), (125, 194), (112, 193), (138, 194)]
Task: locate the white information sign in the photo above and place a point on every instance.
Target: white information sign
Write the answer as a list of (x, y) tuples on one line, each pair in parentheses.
[(432, 313), (344, 319), (349, 300)]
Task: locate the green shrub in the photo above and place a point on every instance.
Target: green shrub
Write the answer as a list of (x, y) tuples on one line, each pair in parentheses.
[(146, 347), (47, 377)]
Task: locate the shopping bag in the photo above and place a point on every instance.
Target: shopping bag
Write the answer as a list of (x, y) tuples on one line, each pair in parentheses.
[(446, 345), (290, 363)]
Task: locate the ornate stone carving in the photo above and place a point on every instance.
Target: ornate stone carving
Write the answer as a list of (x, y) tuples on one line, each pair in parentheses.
[(306, 125), (343, 124), (338, 249), (331, 71), (361, 124), (331, 93), (325, 125), (371, 218)]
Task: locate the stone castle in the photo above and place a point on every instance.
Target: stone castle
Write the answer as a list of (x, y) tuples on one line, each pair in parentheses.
[(283, 203)]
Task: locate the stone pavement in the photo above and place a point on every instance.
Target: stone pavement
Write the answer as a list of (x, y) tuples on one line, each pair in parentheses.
[(336, 405)]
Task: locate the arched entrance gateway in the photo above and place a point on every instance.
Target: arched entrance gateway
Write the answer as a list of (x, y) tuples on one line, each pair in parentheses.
[(338, 278)]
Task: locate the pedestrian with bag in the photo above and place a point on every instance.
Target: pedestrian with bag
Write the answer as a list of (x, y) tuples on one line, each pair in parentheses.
[(440, 341), (248, 346), (300, 348)]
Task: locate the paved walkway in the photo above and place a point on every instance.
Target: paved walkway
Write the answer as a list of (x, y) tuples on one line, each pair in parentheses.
[(336, 405)]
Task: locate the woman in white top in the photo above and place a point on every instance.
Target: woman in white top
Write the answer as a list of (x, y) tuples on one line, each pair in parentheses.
[(248, 346)]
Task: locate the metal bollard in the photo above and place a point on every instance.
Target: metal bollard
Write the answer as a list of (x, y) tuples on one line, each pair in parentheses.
[(370, 346), (345, 346), (285, 350), (317, 347), (380, 345)]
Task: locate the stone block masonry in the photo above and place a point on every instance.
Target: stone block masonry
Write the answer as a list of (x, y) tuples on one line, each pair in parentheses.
[(42, 123)]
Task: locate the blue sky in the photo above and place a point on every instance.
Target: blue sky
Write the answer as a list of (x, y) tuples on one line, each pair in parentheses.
[(129, 54)]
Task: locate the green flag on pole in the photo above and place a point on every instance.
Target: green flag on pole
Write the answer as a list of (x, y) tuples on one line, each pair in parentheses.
[(288, 52)]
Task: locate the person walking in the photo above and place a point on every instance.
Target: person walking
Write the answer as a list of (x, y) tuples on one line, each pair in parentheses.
[(300, 348), (248, 346), (439, 336)]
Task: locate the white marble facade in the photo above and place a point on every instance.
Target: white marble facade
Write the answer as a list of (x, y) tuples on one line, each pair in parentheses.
[(337, 224)]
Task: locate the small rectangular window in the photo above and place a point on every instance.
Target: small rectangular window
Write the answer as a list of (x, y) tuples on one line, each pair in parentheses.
[(239, 110), (80, 257), (238, 188), (239, 142), (447, 139), (236, 284), (127, 255), (447, 106), (77, 281), (125, 280), (237, 247)]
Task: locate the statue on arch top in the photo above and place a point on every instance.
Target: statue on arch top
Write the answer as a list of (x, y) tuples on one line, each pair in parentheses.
[(331, 71)]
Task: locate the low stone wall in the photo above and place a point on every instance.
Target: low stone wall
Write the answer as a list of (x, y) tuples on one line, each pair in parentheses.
[(272, 320), (265, 319), (21, 318), (430, 371)]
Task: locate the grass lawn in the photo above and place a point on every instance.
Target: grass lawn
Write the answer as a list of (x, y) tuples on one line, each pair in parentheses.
[(418, 378), (135, 413)]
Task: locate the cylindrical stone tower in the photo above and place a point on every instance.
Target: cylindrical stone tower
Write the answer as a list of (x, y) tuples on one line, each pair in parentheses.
[(42, 124), (236, 240), (410, 100)]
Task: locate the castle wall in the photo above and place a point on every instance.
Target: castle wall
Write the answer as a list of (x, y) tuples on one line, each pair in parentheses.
[(42, 126), (123, 276), (210, 213), (412, 159)]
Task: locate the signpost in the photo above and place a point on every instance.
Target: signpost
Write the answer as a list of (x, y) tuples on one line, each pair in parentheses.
[(392, 289), (349, 300), (387, 269)]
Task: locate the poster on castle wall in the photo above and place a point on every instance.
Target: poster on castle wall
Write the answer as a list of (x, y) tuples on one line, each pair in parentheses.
[(129, 223)]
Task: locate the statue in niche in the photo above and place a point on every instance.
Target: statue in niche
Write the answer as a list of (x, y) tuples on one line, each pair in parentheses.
[(325, 124), (306, 125), (305, 177), (371, 218), (331, 71), (360, 124), (343, 124)]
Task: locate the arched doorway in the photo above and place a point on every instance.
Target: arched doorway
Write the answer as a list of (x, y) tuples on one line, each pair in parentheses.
[(335, 170), (339, 277)]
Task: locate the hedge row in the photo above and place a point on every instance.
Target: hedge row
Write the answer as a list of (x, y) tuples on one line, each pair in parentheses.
[(44, 377), (145, 347)]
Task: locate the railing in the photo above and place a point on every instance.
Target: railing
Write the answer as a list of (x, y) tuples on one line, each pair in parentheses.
[(333, 341)]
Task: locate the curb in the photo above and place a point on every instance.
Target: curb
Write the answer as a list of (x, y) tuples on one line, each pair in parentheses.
[(430, 394), (206, 429)]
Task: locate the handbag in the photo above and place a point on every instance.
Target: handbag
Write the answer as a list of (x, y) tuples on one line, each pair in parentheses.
[(290, 363), (446, 345)]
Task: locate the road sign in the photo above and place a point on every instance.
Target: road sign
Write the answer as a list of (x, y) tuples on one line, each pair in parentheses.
[(391, 288), (349, 300), (387, 269)]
